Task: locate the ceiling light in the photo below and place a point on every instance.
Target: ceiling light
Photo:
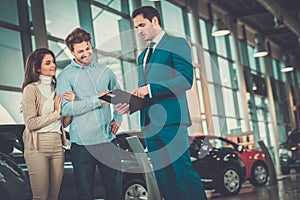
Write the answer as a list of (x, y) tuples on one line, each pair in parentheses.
[(259, 50), (254, 87), (287, 69), (219, 28), (287, 65)]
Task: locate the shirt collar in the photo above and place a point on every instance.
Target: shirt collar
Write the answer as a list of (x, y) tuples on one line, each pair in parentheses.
[(158, 38), (75, 64)]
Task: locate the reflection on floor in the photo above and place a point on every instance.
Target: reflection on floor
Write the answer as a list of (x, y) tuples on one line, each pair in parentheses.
[(287, 188)]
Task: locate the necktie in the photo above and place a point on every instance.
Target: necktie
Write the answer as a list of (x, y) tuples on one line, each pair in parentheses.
[(150, 51)]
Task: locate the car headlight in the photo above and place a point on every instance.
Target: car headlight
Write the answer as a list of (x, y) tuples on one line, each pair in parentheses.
[(285, 152)]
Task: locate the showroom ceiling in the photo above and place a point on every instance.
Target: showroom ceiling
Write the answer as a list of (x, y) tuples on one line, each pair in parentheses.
[(277, 20)]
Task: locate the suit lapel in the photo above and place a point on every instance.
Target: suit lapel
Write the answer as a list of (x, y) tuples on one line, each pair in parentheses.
[(141, 72), (158, 48)]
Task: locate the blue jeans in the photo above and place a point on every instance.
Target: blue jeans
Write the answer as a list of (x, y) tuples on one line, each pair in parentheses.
[(106, 157)]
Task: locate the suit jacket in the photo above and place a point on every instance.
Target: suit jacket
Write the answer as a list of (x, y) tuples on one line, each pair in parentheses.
[(170, 74)]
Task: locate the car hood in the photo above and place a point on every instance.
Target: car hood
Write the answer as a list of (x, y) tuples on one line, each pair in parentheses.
[(288, 146), (253, 151)]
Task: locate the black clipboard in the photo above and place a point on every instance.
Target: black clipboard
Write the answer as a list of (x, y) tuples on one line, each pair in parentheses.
[(119, 96)]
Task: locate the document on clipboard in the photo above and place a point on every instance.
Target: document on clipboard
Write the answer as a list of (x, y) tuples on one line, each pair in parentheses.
[(119, 96)]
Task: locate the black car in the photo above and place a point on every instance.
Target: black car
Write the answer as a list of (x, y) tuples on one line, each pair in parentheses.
[(12, 177), (220, 168), (289, 152), (14, 172)]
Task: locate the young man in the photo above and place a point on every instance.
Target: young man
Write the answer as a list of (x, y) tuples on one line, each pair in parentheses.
[(93, 129), (165, 73)]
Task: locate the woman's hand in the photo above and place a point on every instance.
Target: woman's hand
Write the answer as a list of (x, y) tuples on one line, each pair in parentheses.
[(70, 96), (57, 103)]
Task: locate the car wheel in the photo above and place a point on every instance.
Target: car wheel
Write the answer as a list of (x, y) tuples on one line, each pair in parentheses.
[(135, 188), (230, 183), (285, 170), (14, 183), (259, 174)]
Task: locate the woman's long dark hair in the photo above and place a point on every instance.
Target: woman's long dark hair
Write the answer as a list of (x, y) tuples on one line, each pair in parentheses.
[(33, 64)]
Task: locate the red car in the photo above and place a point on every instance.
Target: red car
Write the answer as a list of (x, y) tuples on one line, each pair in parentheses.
[(256, 165)]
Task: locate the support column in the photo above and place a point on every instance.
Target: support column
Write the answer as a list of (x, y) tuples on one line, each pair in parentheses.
[(25, 26), (38, 22), (273, 114), (193, 4)]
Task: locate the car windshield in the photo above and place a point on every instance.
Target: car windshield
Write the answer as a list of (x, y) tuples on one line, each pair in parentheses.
[(218, 143)]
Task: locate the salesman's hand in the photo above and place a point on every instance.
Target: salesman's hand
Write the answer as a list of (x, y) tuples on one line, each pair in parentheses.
[(122, 108), (101, 94), (114, 126), (141, 91)]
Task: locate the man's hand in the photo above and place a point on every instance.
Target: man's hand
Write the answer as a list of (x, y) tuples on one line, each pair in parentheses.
[(70, 96), (101, 94), (114, 126), (141, 91), (122, 108)]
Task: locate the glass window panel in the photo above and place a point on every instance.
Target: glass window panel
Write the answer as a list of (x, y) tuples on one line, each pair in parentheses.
[(233, 48), (240, 105), (228, 102), (9, 11), (281, 133), (62, 19), (262, 131), (224, 72), (173, 18), (232, 125), (208, 67), (261, 64), (29, 10), (212, 98), (11, 102), (236, 78), (197, 73), (258, 101), (267, 113), (260, 115), (192, 28), (251, 58), (11, 59), (220, 46), (275, 70), (107, 39), (203, 33), (147, 3), (199, 87), (115, 4), (282, 75), (216, 123), (62, 54), (204, 127)]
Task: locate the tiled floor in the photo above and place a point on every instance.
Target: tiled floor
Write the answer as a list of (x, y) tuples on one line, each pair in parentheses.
[(287, 188)]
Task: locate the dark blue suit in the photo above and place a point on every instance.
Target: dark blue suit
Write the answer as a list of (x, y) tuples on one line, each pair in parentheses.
[(170, 74)]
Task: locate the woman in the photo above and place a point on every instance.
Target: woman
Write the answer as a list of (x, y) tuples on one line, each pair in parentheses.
[(44, 135)]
